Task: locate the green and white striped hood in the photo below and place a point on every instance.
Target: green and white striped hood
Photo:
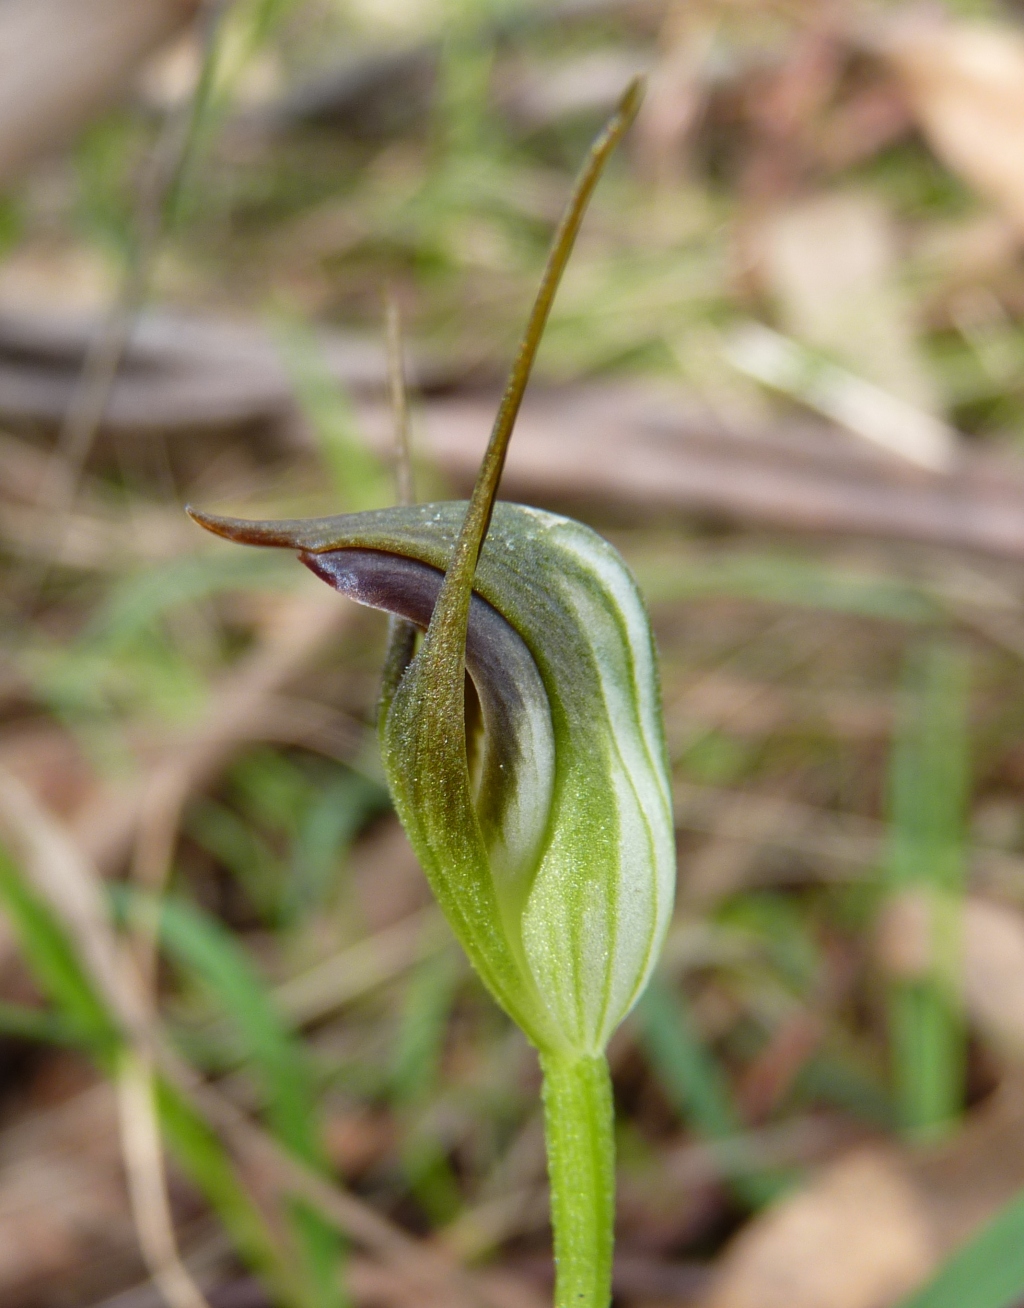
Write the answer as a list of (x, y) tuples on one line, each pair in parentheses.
[(547, 836)]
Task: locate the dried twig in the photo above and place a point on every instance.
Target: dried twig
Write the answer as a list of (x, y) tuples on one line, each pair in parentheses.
[(157, 834), (147, 1186), (804, 477), (65, 881), (399, 402)]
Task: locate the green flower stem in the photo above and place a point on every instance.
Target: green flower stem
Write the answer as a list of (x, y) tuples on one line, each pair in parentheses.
[(578, 1123)]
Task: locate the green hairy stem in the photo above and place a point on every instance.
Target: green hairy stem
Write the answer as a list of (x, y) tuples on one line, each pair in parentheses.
[(578, 1128)]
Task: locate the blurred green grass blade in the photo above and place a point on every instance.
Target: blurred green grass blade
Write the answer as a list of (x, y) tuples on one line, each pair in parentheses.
[(928, 1055), (129, 660), (239, 847), (696, 1086), (323, 1257), (336, 813), (58, 972), (834, 1079), (271, 790), (56, 966), (781, 579), (930, 770), (240, 30), (463, 125), (209, 953), (988, 1272), (317, 812), (928, 792), (687, 1071), (778, 930), (430, 1176), (415, 1073), (359, 479), (139, 600), (422, 1027), (247, 26), (203, 1158), (24, 1023)]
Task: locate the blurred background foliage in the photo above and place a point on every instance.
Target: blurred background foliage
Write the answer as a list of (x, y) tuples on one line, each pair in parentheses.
[(808, 257)]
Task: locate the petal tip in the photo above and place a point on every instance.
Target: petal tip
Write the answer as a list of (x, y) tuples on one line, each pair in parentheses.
[(244, 531)]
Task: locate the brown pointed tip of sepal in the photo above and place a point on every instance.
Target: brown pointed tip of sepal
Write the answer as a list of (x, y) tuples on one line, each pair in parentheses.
[(279, 534), (632, 97)]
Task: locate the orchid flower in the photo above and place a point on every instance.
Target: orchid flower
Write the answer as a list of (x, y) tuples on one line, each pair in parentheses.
[(535, 793)]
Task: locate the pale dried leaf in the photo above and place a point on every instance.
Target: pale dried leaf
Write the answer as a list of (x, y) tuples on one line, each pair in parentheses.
[(993, 973), (964, 1181), (965, 83), (867, 410), (904, 938), (857, 1237), (830, 264)]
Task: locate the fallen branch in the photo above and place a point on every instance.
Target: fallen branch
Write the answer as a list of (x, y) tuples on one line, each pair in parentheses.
[(634, 444), (639, 446)]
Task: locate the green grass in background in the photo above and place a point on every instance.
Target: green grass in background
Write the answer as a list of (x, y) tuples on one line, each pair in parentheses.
[(924, 880), (62, 979)]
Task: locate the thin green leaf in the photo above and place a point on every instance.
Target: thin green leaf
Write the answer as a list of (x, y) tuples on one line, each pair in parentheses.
[(988, 1272), (138, 601), (359, 479), (929, 779), (58, 972), (235, 843), (205, 1161), (419, 1045), (423, 1024), (56, 966), (24, 1023), (210, 954)]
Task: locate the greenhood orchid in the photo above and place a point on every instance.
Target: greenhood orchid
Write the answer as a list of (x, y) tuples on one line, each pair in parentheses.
[(536, 793), (547, 835)]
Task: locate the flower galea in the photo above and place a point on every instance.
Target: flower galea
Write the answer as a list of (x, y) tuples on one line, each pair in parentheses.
[(522, 740), (542, 817)]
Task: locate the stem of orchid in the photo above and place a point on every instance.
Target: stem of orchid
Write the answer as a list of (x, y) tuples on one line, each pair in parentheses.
[(578, 1127), (577, 1091)]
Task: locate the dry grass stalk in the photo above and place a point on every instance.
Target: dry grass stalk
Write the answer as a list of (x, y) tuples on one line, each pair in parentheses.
[(147, 1186)]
